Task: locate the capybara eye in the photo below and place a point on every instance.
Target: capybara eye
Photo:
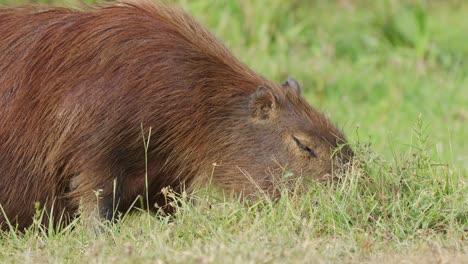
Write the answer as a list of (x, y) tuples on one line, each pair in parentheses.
[(304, 147)]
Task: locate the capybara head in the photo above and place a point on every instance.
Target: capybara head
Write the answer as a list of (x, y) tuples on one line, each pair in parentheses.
[(280, 133)]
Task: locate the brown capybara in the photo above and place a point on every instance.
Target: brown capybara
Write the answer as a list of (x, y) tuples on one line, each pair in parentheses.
[(81, 92)]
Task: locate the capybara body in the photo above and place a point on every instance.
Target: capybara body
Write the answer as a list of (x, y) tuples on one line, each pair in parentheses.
[(81, 92)]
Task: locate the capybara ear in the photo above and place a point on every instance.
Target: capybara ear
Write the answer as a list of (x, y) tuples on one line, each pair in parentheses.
[(262, 103), (291, 83)]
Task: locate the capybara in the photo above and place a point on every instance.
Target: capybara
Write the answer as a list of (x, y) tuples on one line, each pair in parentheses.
[(117, 101)]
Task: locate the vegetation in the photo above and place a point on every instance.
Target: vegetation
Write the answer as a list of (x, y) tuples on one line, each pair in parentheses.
[(393, 74)]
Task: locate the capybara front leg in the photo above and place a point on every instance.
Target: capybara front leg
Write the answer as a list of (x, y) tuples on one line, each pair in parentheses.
[(95, 198)]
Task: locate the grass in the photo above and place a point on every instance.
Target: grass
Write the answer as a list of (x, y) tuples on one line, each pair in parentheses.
[(394, 75)]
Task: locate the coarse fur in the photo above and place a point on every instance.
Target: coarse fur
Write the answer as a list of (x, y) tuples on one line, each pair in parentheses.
[(78, 89)]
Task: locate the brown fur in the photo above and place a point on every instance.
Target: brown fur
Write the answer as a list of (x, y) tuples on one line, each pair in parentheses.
[(77, 86)]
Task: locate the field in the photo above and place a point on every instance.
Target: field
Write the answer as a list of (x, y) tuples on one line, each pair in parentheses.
[(393, 74)]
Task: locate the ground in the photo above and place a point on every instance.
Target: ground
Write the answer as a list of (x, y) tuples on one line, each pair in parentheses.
[(393, 74)]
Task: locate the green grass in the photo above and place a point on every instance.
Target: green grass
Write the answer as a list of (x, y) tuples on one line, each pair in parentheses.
[(394, 75)]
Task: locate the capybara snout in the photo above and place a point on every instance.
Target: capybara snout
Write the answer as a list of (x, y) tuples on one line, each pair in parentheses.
[(102, 106)]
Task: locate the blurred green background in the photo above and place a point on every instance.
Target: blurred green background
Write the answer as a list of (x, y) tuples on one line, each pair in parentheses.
[(374, 67)]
